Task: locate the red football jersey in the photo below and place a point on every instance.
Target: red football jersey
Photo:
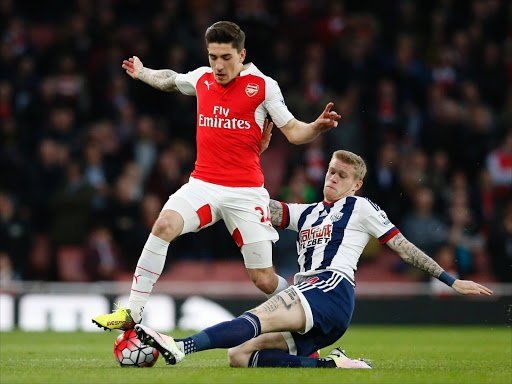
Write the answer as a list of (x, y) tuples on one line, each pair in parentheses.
[(230, 123)]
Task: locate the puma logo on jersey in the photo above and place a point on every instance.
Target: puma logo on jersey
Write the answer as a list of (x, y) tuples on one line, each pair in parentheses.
[(208, 84)]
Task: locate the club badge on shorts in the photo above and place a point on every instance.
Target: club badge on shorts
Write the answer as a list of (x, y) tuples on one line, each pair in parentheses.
[(251, 89)]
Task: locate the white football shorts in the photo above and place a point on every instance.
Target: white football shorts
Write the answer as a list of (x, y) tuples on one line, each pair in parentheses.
[(244, 210)]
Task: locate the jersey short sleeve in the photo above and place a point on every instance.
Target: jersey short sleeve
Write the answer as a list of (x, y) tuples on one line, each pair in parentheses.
[(186, 82), (291, 215), (376, 222), (274, 103)]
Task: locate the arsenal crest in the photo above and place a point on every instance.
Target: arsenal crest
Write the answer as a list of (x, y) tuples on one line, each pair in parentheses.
[(251, 89)]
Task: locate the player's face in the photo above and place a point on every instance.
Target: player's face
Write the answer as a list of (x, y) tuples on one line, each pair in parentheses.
[(225, 61), (340, 181)]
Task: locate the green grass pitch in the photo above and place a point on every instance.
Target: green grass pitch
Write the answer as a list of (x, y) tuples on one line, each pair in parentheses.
[(399, 354)]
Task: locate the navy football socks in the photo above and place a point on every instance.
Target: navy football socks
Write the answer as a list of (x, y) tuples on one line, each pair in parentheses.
[(276, 358), (223, 335)]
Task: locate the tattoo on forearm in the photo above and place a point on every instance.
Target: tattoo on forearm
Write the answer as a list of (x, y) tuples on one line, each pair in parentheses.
[(398, 240), (276, 212), (414, 256), (276, 302), (163, 79)]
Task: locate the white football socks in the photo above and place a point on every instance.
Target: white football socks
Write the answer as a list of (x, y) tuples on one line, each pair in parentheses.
[(282, 284), (149, 267)]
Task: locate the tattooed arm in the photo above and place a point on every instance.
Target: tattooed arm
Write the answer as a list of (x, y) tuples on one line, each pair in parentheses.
[(414, 256), (163, 79), (276, 212)]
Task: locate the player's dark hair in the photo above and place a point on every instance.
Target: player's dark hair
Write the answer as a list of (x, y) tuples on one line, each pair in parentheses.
[(225, 32)]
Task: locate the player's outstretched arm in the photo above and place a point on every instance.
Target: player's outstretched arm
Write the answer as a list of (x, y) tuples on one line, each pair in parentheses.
[(276, 212), (414, 256), (298, 132), (163, 79)]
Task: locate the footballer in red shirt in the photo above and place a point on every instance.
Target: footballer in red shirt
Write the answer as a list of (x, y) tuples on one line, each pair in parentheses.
[(233, 101)]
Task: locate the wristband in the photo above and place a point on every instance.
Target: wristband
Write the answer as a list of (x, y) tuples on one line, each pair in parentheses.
[(447, 278)]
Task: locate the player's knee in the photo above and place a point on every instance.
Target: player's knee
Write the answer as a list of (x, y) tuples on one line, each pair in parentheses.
[(266, 282), (236, 358), (168, 225)]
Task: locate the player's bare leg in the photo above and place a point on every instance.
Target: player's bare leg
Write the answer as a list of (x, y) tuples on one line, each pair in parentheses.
[(264, 277), (282, 311), (271, 350), (239, 356)]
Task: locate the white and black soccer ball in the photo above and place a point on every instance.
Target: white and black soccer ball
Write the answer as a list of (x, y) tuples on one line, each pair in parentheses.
[(131, 352)]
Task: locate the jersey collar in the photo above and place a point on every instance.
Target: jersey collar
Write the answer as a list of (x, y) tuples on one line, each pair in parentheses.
[(250, 69), (326, 204)]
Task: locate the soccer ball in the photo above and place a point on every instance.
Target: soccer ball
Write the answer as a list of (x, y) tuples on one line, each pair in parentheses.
[(131, 352)]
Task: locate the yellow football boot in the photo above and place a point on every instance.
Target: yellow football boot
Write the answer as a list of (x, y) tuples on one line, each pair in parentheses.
[(120, 319)]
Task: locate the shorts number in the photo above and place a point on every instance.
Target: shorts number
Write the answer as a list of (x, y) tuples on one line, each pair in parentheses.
[(264, 217)]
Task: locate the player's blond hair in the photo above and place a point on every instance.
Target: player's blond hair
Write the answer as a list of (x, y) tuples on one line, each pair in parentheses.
[(351, 158)]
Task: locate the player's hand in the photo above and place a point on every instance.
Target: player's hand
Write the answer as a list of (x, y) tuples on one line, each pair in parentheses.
[(327, 119), (266, 135), (132, 66), (468, 287)]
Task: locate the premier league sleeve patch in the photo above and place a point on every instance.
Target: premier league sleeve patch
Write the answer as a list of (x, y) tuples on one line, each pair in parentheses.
[(384, 218)]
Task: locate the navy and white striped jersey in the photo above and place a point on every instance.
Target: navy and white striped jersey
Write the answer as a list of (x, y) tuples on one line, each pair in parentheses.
[(331, 237)]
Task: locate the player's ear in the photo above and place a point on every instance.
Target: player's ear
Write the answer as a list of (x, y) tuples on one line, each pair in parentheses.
[(358, 185), (241, 55)]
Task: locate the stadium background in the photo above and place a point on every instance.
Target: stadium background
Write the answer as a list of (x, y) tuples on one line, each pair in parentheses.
[(88, 156)]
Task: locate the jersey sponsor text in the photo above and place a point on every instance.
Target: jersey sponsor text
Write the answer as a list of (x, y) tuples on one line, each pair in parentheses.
[(315, 236), (222, 122)]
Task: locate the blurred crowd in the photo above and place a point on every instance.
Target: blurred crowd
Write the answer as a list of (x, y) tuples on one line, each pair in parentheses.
[(88, 156)]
